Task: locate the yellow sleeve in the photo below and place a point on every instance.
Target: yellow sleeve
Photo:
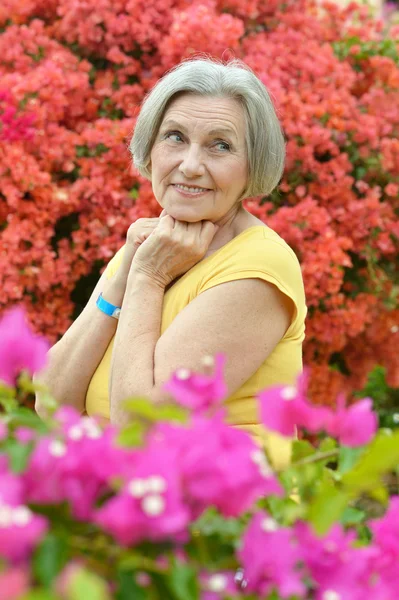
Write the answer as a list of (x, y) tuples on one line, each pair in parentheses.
[(114, 263), (267, 259)]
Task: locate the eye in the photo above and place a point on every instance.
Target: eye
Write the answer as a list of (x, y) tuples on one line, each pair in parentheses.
[(224, 146), (173, 134)]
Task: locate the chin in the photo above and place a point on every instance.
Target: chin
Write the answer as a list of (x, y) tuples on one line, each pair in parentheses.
[(184, 214)]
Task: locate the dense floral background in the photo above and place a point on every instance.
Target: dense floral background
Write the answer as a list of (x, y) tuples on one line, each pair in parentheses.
[(73, 74)]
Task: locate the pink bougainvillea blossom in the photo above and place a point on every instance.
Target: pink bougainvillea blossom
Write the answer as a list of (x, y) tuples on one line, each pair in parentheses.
[(66, 467), (218, 585), (20, 528), (336, 565), (355, 425), (229, 472), (271, 557), (14, 583), (20, 349), (199, 392), (150, 505), (284, 408)]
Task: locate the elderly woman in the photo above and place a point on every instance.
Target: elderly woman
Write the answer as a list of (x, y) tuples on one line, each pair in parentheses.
[(207, 277)]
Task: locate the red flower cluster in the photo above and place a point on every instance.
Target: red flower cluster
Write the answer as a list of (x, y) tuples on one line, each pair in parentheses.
[(73, 74)]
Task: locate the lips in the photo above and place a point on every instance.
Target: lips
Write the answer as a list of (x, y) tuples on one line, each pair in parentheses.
[(193, 187)]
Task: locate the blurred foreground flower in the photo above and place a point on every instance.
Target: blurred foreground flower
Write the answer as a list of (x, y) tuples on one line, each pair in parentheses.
[(20, 349), (284, 408), (199, 392)]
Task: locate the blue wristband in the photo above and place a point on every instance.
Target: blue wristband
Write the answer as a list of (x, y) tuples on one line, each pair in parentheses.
[(108, 308)]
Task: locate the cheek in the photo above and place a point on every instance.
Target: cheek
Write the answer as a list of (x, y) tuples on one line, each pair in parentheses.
[(161, 163), (235, 176)]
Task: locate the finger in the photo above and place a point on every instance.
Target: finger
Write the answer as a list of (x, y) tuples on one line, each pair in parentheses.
[(166, 223), (208, 231), (163, 213)]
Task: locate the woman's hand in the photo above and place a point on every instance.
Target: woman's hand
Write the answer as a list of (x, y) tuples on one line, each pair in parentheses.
[(137, 233), (173, 248)]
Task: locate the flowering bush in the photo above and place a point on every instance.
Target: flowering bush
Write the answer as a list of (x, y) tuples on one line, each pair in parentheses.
[(180, 506), (73, 74)]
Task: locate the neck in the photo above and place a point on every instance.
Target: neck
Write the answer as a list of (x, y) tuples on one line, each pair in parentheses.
[(230, 225)]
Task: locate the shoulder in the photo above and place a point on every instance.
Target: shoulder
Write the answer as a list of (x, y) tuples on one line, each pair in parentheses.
[(255, 250)]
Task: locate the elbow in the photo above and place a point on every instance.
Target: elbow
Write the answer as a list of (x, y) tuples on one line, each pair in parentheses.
[(40, 410)]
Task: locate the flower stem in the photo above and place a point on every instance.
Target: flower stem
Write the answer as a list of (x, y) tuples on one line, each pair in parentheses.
[(308, 460)]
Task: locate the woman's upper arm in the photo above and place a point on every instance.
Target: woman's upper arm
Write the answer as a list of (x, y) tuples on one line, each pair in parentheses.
[(244, 319)]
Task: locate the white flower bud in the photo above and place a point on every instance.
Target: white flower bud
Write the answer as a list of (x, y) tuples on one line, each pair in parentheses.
[(153, 505), (269, 525), (217, 583), (57, 448), (289, 392), (183, 374), (21, 516)]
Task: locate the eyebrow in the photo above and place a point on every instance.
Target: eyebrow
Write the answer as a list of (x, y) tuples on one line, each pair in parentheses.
[(217, 131)]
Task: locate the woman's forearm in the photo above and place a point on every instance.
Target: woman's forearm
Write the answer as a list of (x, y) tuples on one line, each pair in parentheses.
[(132, 367), (74, 359)]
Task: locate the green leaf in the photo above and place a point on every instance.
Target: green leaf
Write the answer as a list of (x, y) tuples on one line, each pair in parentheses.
[(182, 580), (301, 449), (132, 435), (348, 457), (172, 412), (327, 445), (146, 409), (380, 457), (134, 193), (18, 454), (24, 417), (40, 595), (352, 516), (327, 506), (128, 589), (212, 523), (84, 585), (49, 558), (141, 407), (379, 493)]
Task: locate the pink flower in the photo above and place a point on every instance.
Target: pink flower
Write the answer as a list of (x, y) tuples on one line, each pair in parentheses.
[(219, 585), (270, 557), (336, 565), (228, 471), (11, 488), (20, 531), (386, 539), (199, 392), (386, 529), (14, 583), (69, 469), (24, 435), (355, 425), (20, 349), (284, 407), (150, 506)]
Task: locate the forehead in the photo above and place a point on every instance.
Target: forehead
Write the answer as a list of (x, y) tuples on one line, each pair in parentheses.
[(207, 112)]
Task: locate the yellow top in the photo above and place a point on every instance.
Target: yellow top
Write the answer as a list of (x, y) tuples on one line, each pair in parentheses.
[(257, 252)]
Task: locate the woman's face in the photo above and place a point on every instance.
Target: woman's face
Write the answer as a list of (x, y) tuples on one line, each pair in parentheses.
[(199, 160)]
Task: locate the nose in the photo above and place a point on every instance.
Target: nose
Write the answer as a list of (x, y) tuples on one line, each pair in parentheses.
[(192, 164)]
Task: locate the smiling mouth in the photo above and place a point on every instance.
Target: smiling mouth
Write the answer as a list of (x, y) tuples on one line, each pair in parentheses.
[(190, 189)]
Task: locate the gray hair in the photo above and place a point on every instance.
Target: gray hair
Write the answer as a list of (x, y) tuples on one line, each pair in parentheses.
[(208, 77)]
